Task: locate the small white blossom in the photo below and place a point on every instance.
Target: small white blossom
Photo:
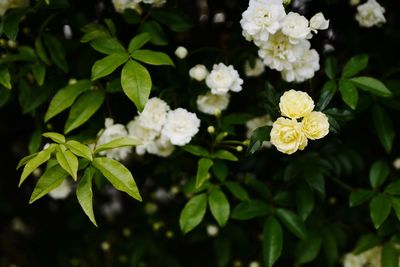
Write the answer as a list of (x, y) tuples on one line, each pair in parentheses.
[(181, 126), (318, 22), (212, 230), (181, 52), (62, 191), (198, 72), (112, 132), (304, 68), (261, 19), (254, 71), (396, 163), (121, 5), (224, 78), (161, 147), (154, 114), (155, 3), (9, 4), (210, 103), (295, 26), (370, 14)]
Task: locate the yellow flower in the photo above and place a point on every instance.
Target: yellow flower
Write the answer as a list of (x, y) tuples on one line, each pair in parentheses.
[(295, 104), (315, 125), (287, 135)]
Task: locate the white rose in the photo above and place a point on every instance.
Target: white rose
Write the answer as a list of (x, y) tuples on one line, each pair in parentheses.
[(112, 132), (198, 72), (256, 70), (287, 136), (295, 104), (318, 22), (370, 14), (62, 191), (224, 78), (121, 5), (181, 126), (154, 114), (295, 26), (181, 52), (160, 147), (145, 135), (210, 103), (155, 3), (304, 68)]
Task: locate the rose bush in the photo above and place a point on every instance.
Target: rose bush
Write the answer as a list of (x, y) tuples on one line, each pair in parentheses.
[(199, 133)]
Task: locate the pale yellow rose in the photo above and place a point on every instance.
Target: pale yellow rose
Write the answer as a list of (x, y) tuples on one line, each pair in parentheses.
[(295, 104), (315, 125), (287, 135)]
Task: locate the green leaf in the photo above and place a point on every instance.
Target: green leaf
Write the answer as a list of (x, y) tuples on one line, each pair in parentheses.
[(50, 180), (327, 93), (108, 65), (331, 67), (69, 162), (108, 46), (272, 241), (237, 190), (396, 206), (56, 50), (355, 65), (250, 209), (292, 222), (158, 37), (389, 256), (138, 41), (5, 78), (380, 207), (65, 97), (11, 20), (349, 93), (224, 154), (24, 160), (203, 166), (219, 206), (40, 50), (378, 173), (39, 72), (393, 188), (152, 57), (136, 83), (193, 213), (305, 200), (34, 163), (220, 170), (79, 149), (360, 196), (196, 150), (118, 142), (384, 127), (257, 138), (366, 242), (307, 250), (173, 19), (372, 85), (118, 175), (83, 109), (56, 137), (84, 194)]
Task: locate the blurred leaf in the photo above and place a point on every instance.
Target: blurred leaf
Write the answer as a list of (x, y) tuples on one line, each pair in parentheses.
[(272, 241), (11, 20), (372, 85), (355, 65), (257, 138), (158, 36), (5, 78), (220, 170), (41, 51), (360, 196), (237, 190), (36, 139), (84, 194), (203, 166), (331, 67), (39, 72), (152, 57), (307, 250), (380, 207), (118, 175), (366, 242), (389, 256), (56, 50), (173, 19), (196, 150), (305, 200), (349, 93), (250, 209), (108, 65), (384, 127), (224, 154), (378, 173), (219, 206), (292, 222), (327, 93), (393, 188), (136, 83), (193, 213)]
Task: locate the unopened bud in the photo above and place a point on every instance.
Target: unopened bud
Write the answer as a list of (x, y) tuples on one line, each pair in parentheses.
[(72, 81), (239, 148), (12, 44), (217, 113), (211, 129)]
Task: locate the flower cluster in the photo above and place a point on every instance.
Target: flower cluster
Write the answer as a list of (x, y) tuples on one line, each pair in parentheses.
[(8, 4), (370, 14), (282, 38), (121, 5), (288, 134), (220, 80), (157, 127)]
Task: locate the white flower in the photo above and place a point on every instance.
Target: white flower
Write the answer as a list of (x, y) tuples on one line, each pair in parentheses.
[(224, 78), (304, 68), (257, 122), (161, 147), (210, 103), (145, 135), (9, 4), (112, 132), (198, 72), (256, 70), (279, 53), (254, 264), (181, 52), (154, 114), (121, 5), (62, 191), (261, 19), (318, 22), (396, 163), (295, 26), (370, 14), (351, 260), (181, 126), (155, 3), (212, 230)]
